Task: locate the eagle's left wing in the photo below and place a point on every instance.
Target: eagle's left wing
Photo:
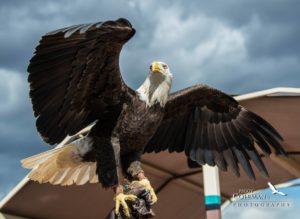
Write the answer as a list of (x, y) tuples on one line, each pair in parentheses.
[(75, 78), (212, 128)]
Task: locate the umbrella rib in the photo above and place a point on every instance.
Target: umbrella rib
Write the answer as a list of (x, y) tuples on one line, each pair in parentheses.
[(151, 165), (174, 177)]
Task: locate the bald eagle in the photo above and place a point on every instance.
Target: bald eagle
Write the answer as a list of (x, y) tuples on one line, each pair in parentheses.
[(75, 81)]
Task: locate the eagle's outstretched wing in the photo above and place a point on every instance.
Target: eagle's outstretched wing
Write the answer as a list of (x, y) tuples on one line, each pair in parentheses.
[(212, 128), (74, 76)]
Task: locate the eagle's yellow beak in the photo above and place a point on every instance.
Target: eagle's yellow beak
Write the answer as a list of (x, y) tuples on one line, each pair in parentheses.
[(156, 67)]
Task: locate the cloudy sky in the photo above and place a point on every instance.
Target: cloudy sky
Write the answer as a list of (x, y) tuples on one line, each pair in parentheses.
[(238, 47)]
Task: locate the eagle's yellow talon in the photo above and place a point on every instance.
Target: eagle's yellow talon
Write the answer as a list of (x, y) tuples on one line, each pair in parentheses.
[(146, 183), (121, 200)]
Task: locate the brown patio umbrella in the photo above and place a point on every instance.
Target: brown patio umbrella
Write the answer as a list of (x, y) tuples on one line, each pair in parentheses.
[(179, 187)]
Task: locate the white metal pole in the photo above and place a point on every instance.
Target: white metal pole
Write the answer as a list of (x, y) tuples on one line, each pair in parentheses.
[(212, 196)]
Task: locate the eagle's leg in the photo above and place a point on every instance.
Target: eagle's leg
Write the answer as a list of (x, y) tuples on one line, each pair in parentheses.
[(109, 173), (131, 166)]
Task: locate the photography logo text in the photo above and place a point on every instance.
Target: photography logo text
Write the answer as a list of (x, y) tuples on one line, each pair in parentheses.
[(272, 198)]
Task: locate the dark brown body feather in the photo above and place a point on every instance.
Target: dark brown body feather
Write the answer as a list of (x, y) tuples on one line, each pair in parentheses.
[(134, 125), (137, 124)]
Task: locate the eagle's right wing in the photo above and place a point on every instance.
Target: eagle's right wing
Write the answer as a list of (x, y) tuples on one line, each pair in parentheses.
[(212, 128), (74, 76)]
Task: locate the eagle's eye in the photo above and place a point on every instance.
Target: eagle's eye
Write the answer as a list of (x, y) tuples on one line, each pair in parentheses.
[(164, 66), (150, 67)]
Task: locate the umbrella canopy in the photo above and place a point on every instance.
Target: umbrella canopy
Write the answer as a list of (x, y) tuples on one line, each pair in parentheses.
[(179, 188)]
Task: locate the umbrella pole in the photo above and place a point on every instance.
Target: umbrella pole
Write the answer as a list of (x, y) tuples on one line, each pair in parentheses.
[(212, 192)]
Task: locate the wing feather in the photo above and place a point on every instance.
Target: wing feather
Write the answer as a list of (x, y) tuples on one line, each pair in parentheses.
[(74, 76), (216, 131)]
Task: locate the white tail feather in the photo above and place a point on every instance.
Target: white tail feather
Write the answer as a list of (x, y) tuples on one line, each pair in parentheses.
[(61, 166), (60, 177), (83, 176), (93, 177), (68, 178), (37, 159)]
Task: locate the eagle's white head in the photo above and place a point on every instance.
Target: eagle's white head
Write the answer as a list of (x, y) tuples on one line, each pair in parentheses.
[(157, 85)]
